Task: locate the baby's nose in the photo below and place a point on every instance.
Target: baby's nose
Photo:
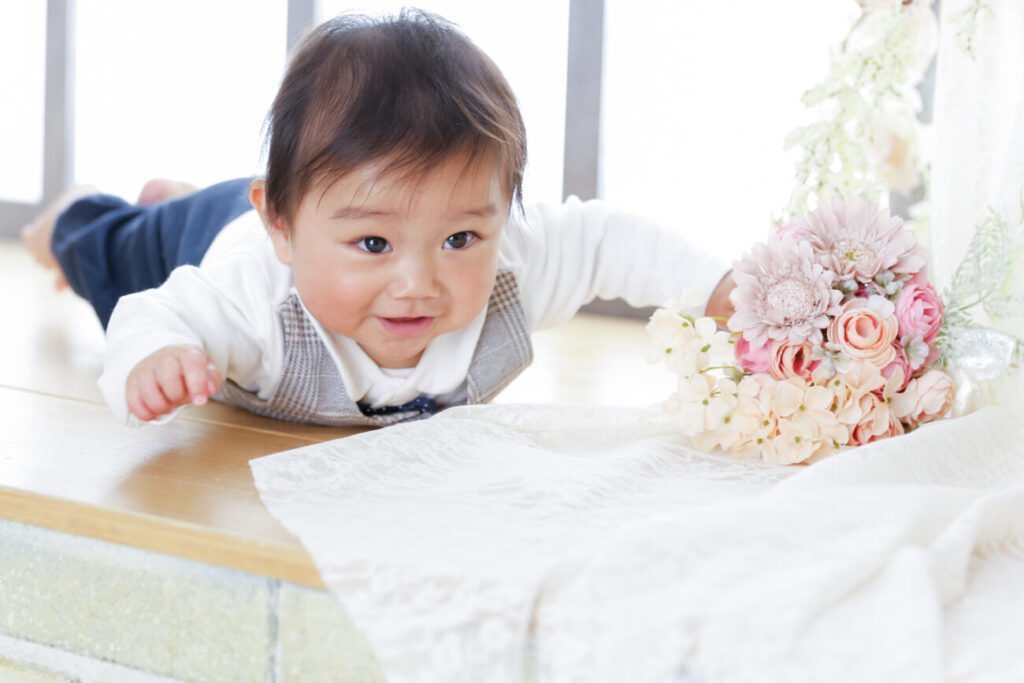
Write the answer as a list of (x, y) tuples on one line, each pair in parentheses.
[(415, 278)]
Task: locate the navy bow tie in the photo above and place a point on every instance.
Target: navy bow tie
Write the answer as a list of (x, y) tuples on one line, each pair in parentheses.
[(424, 405)]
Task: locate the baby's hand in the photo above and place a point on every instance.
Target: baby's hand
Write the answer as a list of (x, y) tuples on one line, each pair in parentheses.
[(169, 378)]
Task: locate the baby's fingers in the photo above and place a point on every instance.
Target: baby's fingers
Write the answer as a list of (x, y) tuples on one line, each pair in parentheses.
[(201, 378), (136, 405), (148, 398), (170, 379)]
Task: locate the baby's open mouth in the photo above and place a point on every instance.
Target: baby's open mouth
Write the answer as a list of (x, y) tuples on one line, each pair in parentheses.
[(406, 327)]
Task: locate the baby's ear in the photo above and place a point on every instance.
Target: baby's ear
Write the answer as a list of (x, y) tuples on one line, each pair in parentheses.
[(274, 224)]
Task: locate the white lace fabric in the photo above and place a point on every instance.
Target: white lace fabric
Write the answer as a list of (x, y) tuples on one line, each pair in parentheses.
[(556, 543)]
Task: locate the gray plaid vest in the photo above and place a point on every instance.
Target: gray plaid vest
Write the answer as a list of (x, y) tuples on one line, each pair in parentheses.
[(311, 388)]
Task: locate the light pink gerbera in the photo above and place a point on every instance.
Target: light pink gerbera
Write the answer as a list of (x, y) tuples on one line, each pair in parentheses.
[(783, 294), (858, 240)]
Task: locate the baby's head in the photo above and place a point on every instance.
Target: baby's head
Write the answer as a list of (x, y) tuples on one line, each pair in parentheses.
[(396, 149)]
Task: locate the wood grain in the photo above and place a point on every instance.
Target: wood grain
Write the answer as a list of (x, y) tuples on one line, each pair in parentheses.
[(184, 488)]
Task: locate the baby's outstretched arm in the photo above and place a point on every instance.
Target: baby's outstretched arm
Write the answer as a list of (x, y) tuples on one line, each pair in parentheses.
[(171, 377), (719, 306)]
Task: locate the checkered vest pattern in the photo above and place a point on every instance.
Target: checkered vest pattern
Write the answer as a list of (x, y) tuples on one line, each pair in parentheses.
[(311, 388)]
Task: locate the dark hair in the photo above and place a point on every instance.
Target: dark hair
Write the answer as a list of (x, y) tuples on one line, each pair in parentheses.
[(407, 91)]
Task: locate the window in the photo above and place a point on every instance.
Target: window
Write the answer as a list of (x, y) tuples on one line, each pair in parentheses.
[(22, 43), (697, 100), (175, 90), (697, 97)]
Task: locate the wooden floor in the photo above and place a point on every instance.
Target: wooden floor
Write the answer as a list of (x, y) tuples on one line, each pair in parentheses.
[(185, 488)]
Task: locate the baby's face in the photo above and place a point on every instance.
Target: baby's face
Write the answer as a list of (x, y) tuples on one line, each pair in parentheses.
[(393, 263)]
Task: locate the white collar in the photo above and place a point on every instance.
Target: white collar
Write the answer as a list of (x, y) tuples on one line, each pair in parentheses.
[(441, 369)]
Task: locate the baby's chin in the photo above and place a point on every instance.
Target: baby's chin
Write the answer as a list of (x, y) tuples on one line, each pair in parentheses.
[(396, 352), (392, 360)]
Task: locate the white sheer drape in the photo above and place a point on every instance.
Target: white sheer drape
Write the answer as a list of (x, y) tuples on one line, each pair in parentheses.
[(978, 134), (978, 142)]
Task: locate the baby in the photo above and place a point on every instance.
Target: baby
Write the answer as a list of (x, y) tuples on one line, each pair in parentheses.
[(389, 268)]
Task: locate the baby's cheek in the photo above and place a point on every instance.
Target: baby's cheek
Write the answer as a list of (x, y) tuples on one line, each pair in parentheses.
[(339, 305), (472, 296)]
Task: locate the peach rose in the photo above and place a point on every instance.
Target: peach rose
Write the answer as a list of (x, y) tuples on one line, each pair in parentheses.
[(895, 429), (934, 395), (875, 421), (864, 334), (926, 398), (753, 358), (792, 360)]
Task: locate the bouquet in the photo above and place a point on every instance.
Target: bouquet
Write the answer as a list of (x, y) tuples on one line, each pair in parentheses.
[(838, 338), (834, 342)]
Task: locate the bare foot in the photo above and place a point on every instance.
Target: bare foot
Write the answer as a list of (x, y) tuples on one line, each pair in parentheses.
[(37, 235), (159, 189)]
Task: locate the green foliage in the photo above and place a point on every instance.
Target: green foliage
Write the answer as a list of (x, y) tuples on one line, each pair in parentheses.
[(984, 279), (866, 82), (967, 22)]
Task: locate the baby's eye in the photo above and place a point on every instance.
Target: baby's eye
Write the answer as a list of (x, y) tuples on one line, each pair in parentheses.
[(373, 244), (460, 240)]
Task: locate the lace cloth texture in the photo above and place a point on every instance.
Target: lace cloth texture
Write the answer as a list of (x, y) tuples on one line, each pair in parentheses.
[(558, 543)]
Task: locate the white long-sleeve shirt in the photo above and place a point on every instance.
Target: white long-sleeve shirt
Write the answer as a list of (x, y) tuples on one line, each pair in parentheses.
[(562, 256)]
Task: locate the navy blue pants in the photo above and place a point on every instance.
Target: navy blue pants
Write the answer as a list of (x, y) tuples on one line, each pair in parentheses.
[(108, 248)]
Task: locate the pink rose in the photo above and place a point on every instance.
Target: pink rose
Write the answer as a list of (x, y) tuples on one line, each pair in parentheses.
[(919, 310), (753, 358), (864, 334), (792, 360), (926, 398), (900, 361)]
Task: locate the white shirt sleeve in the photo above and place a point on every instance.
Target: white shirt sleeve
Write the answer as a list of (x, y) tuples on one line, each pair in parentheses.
[(565, 256), (227, 307)]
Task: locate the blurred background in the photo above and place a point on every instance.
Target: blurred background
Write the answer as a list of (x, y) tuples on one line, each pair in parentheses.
[(675, 109)]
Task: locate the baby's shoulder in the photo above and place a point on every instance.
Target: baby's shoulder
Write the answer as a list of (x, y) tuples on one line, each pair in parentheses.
[(243, 256), (243, 235)]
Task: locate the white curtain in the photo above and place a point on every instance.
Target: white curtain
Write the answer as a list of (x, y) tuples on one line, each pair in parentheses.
[(978, 140), (978, 134)]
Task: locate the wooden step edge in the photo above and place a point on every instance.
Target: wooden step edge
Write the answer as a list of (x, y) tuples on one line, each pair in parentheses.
[(170, 537)]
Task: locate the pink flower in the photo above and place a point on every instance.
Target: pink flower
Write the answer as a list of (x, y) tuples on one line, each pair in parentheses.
[(895, 429), (753, 358), (793, 230), (901, 362), (782, 293), (874, 421), (864, 334), (926, 398), (919, 310), (857, 240), (792, 360)]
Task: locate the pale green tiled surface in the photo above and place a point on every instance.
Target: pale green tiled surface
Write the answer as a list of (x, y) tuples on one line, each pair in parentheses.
[(172, 617), (318, 641), (12, 672), (141, 609)]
